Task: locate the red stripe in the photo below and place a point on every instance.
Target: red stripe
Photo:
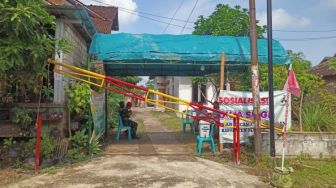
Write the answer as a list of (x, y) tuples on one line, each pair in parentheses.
[(107, 78)]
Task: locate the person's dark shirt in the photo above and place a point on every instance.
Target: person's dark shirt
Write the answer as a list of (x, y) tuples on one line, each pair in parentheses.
[(125, 115)]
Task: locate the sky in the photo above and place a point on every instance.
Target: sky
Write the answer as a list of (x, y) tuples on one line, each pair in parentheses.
[(307, 26)]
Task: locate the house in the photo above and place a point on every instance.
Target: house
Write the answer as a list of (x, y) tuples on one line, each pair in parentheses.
[(182, 87), (327, 71), (78, 23)]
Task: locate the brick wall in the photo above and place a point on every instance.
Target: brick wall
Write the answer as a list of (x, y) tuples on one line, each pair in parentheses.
[(77, 57)]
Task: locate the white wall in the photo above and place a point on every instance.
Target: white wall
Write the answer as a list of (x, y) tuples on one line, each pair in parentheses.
[(316, 145), (211, 90), (184, 90)]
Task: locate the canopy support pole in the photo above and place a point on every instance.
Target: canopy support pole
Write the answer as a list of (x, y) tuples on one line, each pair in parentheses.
[(221, 87)]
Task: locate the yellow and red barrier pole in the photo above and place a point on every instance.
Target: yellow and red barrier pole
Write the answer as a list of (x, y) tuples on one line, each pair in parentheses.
[(125, 88)]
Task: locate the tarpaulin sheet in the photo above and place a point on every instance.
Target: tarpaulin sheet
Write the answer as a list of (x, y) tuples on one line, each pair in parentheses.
[(176, 55)]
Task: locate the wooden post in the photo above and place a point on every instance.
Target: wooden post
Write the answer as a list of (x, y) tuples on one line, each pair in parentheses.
[(221, 87)]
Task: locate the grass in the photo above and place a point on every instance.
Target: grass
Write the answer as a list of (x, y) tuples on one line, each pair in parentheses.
[(173, 123), (307, 172), (141, 127), (169, 120), (50, 170), (314, 173)]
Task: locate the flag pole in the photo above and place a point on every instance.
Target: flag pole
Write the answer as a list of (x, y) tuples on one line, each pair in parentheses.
[(286, 118), (284, 131)]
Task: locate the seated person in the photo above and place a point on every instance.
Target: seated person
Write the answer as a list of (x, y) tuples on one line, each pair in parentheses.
[(126, 118), (121, 107)]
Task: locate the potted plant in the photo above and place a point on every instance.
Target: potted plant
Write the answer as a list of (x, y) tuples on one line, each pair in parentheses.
[(21, 116)]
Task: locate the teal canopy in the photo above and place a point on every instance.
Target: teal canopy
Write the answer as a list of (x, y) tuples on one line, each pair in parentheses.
[(177, 55)]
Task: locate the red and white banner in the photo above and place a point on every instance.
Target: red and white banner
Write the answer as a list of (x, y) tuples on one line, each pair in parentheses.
[(238, 102)]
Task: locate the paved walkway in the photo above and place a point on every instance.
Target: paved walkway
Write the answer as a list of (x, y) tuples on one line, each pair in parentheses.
[(158, 159)]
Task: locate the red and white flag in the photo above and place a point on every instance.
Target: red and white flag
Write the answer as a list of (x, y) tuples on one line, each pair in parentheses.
[(291, 85)]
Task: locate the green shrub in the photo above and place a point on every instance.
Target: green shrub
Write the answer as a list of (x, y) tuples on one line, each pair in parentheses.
[(95, 146), (76, 154), (78, 146), (48, 145), (317, 117), (78, 98), (113, 100), (21, 116), (18, 163), (8, 142), (47, 149)]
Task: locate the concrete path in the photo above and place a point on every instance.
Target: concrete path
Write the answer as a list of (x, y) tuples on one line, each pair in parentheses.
[(158, 159)]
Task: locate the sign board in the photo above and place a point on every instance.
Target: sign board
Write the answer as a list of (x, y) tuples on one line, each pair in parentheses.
[(97, 102), (238, 102), (204, 128)]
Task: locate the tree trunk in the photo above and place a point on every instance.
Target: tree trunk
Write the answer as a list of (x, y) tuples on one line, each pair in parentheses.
[(300, 111)]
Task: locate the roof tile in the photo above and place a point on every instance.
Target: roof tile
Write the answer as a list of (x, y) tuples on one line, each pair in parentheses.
[(105, 18)]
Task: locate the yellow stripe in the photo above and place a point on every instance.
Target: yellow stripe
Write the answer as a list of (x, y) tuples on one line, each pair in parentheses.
[(168, 96), (163, 106), (146, 98), (78, 69), (76, 78), (80, 74), (186, 111), (102, 83), (225, 120), (169, 102)]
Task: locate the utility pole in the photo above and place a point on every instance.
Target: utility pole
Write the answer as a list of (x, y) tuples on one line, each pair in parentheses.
[(255, 81), (270, 77)]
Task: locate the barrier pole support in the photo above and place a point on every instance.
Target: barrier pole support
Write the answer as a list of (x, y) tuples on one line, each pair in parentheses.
[(234, 140), (238, 139)]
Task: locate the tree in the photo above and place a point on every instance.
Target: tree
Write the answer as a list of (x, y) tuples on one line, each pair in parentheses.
[(309, 83), (225, 20), (26, 43), (131, 79), (280, 73), (150, 84)]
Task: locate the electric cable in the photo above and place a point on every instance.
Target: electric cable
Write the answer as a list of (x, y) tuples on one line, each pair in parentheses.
[(178, 8), (189, 16)]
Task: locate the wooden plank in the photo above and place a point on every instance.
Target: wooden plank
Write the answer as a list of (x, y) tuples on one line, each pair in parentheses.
[(9, 129)]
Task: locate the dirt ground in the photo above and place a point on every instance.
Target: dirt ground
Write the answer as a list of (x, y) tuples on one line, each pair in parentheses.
[(158, 159)]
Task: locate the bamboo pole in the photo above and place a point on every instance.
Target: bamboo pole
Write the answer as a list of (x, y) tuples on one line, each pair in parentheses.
[(221, 86)]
